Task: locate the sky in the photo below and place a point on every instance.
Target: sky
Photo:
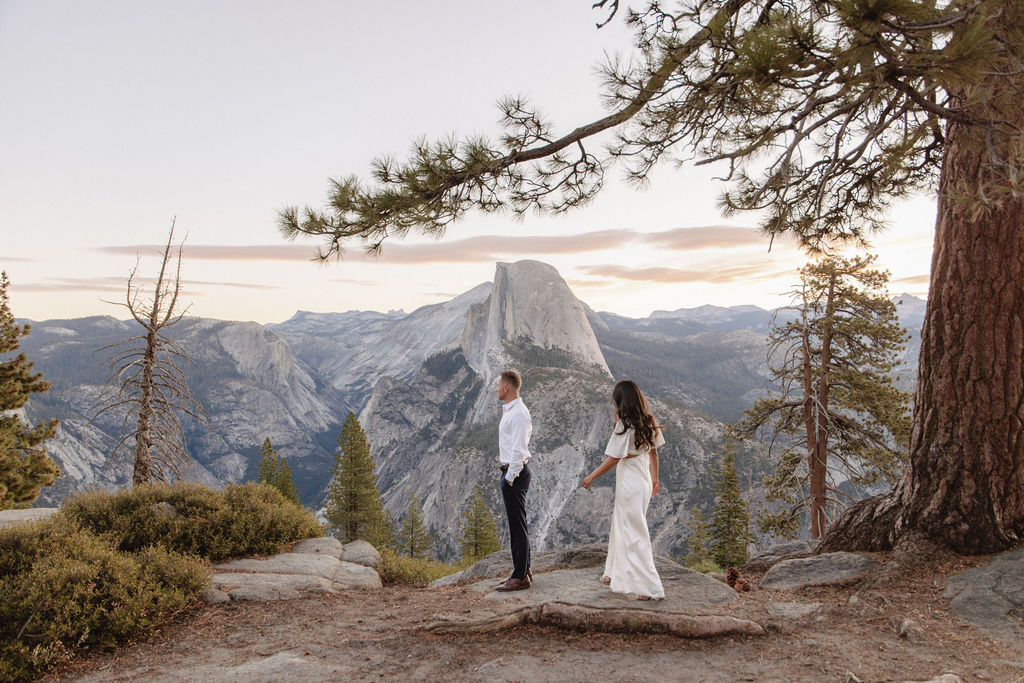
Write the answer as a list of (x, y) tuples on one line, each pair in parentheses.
[(119, 117)]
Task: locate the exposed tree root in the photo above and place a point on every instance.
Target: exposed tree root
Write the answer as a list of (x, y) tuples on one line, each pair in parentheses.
[(607, 619)]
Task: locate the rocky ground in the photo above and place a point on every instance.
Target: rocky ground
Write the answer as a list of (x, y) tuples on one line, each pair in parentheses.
[(875, 626)]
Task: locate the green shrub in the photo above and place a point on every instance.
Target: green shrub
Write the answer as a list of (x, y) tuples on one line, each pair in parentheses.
[(704, 566), (64, 589), (399, 570), (248, 519)]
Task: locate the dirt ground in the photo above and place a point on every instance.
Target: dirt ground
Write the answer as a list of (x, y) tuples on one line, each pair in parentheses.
[(378, 635)]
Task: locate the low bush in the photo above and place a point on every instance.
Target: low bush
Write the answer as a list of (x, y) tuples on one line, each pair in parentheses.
[(704, 566), (399, 570), (64, 589), (191, 518), (109, 566)]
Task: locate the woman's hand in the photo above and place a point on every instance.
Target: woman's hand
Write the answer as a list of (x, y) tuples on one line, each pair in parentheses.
[(587, 481), (655, 487)]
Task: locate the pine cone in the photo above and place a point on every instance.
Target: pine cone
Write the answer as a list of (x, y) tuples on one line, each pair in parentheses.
[(735, 581)]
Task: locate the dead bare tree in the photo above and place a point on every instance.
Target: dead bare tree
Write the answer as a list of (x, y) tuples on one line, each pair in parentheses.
[(148, 377)]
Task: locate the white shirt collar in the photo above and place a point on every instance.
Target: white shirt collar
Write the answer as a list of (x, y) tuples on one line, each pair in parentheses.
[(510, 404)]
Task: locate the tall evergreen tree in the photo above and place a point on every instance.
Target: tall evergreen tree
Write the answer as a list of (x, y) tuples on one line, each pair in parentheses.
[(835, 407), (823, 112), (354, 508), (730, 522), (275, 471), (24, 465), (479, 537), (414, 538), (698, 539)]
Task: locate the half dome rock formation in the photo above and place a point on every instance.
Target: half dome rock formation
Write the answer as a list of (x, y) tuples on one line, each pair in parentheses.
[(530, 305)]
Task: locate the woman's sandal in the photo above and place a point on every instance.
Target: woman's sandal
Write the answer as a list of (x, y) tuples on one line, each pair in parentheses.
[(606, 580), (643, 597)]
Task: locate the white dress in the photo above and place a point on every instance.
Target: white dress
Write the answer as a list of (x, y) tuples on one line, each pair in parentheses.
[(630, 562)]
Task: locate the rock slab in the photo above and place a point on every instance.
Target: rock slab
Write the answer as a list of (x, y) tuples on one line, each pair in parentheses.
[(991, 596), (685, 590), (821, 570), (312, 566)]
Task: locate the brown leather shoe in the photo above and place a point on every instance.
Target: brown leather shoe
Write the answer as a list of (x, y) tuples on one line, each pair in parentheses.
[(528, 579), (514, 585)]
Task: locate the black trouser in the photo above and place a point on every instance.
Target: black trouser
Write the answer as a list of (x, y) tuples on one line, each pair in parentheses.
[(515, 511)]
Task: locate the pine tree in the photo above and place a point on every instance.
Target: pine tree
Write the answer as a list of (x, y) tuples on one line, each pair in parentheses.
[(479, 537), (354, 508), (284, 483), (699, 541), (414, 539), (730, 523), (275, 471), (834, 407), (24, 465)]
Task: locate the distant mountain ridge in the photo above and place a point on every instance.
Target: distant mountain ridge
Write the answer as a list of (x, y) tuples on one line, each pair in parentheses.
[(422, 384)]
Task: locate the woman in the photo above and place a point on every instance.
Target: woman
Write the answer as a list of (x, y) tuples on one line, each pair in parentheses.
[(633, 452)]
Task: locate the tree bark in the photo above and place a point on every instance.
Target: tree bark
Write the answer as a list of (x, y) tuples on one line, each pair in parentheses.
[(819, 456), (143, 471), (964, 487)]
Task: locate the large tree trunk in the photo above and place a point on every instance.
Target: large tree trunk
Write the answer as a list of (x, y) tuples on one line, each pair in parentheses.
[(964, 488)]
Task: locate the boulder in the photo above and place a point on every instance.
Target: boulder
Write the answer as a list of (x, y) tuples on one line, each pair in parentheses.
[(327, 545), (163, 510), (992, 595), (361, 552), (289, 563), (821, 570), (264, 587), (350, 576), (774, 554)]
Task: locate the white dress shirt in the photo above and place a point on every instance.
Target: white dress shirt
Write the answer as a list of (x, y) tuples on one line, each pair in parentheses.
[(514, 437), (622, 445)]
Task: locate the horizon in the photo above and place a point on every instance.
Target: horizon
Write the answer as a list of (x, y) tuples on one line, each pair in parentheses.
[(403, 313)]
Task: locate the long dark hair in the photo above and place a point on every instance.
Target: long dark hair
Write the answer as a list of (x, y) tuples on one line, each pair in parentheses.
[(632, 408)]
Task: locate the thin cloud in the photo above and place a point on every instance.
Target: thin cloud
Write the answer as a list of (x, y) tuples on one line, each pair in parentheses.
[(120, 284), (706, 237), (221, 252), (479, 249), (663, 275), (923, 279), (239, 285), (351, 281), (66, 284)]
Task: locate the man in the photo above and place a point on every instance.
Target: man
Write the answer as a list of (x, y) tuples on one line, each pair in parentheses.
[(514, 454)]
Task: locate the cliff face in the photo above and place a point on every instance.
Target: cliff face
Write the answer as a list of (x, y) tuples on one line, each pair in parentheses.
[(352, 351), (249, 381), (529, 304)]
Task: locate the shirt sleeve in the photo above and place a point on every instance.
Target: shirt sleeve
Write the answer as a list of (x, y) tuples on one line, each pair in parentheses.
[(659, 438), (520, 444), (618, 444)]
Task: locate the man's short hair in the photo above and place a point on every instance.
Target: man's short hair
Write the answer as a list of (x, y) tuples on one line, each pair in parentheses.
[(512, 378)]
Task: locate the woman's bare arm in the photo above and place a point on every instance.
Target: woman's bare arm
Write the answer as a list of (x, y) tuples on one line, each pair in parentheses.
[(608, 464), (654, 471)]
